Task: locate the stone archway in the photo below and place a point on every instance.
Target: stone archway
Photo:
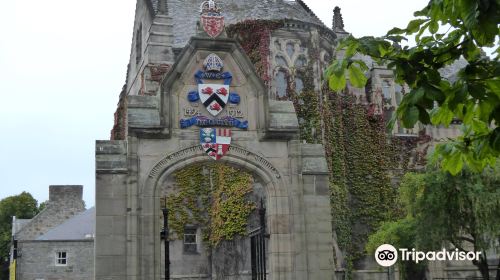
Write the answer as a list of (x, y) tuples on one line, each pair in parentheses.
[(294, 174), (278, 215)]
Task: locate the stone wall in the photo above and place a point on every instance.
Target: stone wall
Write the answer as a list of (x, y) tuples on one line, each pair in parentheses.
[(131, 173), (64, 202), (37, 260)]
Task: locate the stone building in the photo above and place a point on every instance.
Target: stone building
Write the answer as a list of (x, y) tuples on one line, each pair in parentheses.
[(303, 147), (58, 243)]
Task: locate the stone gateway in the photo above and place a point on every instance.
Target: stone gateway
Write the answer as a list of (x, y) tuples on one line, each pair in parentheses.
[(179, 128)]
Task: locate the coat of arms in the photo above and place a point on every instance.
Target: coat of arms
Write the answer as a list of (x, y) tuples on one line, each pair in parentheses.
[(211, 18), (215, 141), (214, 97)]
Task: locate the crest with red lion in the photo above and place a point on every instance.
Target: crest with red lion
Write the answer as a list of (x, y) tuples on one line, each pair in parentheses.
[(211, 18)]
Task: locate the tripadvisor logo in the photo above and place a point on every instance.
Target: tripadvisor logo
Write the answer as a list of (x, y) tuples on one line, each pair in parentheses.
[(386, 255)]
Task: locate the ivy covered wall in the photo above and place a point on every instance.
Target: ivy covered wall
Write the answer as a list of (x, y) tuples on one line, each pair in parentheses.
[(213, 197), (363, 159)]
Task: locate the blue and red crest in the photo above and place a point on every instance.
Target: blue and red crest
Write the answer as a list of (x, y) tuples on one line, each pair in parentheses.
[(214, 97), (215, 141), (211, 18)]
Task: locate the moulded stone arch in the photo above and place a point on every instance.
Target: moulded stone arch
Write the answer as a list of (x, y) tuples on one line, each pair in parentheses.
[(272, 181)]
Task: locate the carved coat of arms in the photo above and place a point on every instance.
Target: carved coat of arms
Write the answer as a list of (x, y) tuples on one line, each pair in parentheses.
[(211, 18), (214, 97), (215, 141)]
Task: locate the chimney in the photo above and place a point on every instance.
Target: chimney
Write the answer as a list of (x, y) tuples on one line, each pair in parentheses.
[(61, 193)]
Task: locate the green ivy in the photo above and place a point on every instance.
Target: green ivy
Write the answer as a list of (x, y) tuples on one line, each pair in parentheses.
[(360, 156), (213, 197)]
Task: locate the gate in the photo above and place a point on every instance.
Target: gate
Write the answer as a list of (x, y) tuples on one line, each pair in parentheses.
[(258, 246)]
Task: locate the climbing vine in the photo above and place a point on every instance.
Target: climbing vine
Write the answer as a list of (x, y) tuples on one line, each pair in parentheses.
[(361, 156), (213, 197), (307, 105), (254, 36)]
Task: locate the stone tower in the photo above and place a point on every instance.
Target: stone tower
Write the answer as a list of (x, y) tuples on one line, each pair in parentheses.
[(161, 114)]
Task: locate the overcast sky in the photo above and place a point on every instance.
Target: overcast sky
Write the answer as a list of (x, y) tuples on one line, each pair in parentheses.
[(63, 63)]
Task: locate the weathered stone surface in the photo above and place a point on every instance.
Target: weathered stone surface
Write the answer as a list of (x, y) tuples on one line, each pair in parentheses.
[(111, 156), (313, 159), (38, 260), (143, 112), (64, 203), (129, 185), (283, 123)]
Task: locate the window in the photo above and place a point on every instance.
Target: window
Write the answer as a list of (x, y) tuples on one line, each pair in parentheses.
[(61, 258), (299, 85), (138, 45), (399, 93), (300, 62), (280, 61), (281, 85), (290, 49), (386, 90), (190, 244)]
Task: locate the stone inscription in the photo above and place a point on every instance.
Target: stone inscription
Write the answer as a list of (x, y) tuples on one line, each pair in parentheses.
[(194, 150), (235, 113), (190, 111), (231, 112)]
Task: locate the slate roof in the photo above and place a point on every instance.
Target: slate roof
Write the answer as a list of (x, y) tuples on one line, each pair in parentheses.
[(19, 224), (81, 226), (185, 13)]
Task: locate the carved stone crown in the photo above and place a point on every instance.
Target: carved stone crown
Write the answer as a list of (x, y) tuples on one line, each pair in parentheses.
[(210, 7), (213, 63)]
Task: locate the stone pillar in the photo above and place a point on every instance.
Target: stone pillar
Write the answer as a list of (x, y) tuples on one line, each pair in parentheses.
[(111, 210), (317, 213)]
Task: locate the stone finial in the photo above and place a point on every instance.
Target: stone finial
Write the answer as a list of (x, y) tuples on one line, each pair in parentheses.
[(338, 22)]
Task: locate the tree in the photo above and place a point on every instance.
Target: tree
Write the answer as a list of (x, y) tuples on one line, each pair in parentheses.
[(401, 234), (444, 31), (23, 206), (441, 209)]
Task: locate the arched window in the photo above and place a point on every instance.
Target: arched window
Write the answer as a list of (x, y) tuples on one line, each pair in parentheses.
[(138, 44), (386, 90), (280, 61), (290, 49), (281, 84), (299, 84), (300, 62), (398, 90)]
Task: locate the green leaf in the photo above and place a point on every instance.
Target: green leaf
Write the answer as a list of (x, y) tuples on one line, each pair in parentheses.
[(395, 31), (441, 115), (423, 116), (495, 139), (339, 67), (357, 77), (414, 25), (351, 49), (433, 26), (468, 12), (479, 127), (329, 71), (453, 163), (415, 95), (410, 116), (337, 83)]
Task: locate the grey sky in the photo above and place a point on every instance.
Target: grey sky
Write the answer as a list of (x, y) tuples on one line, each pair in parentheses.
[(63, 63)]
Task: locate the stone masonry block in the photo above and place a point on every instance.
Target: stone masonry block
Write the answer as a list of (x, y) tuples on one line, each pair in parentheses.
[(103, 147)]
